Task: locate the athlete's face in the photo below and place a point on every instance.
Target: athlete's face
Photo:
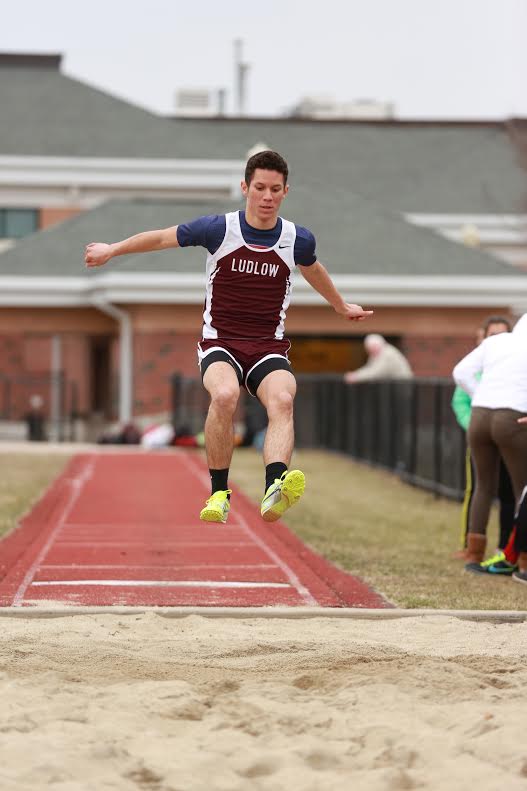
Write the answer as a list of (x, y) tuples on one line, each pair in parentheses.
[(264, 195)]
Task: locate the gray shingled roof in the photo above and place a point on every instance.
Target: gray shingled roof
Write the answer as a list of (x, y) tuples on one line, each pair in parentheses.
[(45, 113), (408, 167), (427, 168), (353, 237)]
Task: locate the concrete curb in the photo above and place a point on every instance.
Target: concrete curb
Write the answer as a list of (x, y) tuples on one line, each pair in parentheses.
[(487, 616)]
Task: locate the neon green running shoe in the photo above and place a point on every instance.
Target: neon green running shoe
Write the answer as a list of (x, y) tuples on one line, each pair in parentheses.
[(282, 494), (217, 507), (497, 564)]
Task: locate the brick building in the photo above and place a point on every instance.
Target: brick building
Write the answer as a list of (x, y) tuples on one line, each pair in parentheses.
[(388, 202)]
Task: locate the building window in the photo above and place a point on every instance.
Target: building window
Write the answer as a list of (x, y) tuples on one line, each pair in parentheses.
[(15, 223)]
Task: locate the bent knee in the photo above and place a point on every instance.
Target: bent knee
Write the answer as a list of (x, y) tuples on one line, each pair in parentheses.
[(281, 403), (225, 398)]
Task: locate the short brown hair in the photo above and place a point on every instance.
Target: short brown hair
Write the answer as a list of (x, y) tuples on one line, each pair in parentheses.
[(266, 160)]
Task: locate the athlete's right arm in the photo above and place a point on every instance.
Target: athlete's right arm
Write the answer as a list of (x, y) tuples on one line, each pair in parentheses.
[(98, 253)]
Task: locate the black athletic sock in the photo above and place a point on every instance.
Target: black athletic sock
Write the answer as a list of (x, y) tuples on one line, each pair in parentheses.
[(273, 471), (218, 479)]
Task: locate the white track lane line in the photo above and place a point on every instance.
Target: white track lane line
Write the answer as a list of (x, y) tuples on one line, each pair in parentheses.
[(153, 544), (289, 573), (77, 485), (161, 584), (85, 527), (172, 566)]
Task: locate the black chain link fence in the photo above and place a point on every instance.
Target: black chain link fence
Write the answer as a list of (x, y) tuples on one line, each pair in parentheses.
[(404, 426)]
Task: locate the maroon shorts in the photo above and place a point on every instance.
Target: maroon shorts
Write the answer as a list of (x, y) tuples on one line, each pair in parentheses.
[(251, 359)]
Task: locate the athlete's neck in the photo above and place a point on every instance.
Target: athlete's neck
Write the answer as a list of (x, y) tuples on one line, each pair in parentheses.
[(260, 223)]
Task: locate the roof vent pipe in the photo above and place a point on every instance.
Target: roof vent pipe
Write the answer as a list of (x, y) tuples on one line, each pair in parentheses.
[(241, 70)]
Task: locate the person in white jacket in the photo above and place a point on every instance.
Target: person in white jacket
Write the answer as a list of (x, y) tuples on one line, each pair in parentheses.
[(498, 424)]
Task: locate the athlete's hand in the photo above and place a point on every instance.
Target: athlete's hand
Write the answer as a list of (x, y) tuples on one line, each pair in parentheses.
[(97, 254), (354, 312), (522, 420)]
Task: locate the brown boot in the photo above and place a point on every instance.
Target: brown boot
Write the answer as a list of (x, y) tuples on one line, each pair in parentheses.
[(476, 546)]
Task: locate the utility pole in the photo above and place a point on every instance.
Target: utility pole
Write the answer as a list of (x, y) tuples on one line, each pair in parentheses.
[(240, 78)]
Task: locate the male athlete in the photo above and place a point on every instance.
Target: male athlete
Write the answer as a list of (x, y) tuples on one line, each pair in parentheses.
[(250, 262)]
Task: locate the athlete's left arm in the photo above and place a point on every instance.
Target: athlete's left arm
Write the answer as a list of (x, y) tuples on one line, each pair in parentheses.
[(319, 279)]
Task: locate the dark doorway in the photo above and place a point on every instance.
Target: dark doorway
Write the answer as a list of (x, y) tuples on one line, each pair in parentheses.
[(326, 354), (329, 354), (101, 386)]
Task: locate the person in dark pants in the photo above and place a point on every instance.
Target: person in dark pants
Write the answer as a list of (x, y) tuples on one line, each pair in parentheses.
[(515, 553), (35, 420), (507, 562), (495, 376), (461, 406)]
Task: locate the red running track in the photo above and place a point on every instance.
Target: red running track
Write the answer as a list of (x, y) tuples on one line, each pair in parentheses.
[(122, 529)]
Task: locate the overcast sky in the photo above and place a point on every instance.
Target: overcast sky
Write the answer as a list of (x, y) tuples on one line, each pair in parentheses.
[(431, 58)]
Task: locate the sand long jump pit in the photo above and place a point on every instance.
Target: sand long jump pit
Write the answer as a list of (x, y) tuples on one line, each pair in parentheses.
[(144, 701)]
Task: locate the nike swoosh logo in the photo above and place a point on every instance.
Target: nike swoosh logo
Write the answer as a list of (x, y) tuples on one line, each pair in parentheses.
[(283, 245)]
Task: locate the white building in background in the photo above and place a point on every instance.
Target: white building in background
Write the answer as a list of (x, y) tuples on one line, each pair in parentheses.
[(200, 102), (195, 102), (327, 108)]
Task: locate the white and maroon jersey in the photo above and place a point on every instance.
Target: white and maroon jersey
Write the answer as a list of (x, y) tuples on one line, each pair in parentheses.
[(248, 288)]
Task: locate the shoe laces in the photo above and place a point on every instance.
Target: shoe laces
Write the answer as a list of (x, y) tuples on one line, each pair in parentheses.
[(214, 496)]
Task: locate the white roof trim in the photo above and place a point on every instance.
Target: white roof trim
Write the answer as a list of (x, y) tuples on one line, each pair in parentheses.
[(60, 178), (168, 288), (490, 229), (483, 220)]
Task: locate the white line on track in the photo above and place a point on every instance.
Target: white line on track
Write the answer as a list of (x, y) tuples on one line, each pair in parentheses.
[(77, 485), (185, 566), (161, 584), (152, 544), (289, 573), (86, 526)]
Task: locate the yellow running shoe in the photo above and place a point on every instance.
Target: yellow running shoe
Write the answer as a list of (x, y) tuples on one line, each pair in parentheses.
[(282, 494), (217, 507)]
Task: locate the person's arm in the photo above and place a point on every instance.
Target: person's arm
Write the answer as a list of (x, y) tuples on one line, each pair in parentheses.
[(373, 369), (462, 407), (98, 253), (466, 373), (318, 278)]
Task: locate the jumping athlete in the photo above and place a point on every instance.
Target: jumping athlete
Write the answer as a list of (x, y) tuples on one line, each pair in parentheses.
[(250, 262)]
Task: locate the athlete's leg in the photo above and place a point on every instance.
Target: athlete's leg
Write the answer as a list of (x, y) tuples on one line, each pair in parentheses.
[(277, 393), (507, 505), (486, 461), (467, 502), (513, 446), (221, 382), (282, 488)]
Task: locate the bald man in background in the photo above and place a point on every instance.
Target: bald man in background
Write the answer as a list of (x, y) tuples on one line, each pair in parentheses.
[(384, 362)]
